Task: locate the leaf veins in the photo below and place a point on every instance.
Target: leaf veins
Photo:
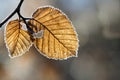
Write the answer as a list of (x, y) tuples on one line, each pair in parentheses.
[(59, 39), (18, 41)]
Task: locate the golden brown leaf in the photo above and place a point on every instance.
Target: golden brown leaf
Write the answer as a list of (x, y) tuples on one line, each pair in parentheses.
[(18, 41), (59, 39)]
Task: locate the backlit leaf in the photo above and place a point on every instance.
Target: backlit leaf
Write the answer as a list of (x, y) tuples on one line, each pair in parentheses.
[(59, 39), (18, 41)]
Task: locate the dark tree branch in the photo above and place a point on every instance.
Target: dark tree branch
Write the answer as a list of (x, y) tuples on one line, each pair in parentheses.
[(12, 14), (24, 20), (17, 10)]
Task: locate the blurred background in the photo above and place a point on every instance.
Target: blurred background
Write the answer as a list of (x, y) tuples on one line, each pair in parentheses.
[(97, 23)]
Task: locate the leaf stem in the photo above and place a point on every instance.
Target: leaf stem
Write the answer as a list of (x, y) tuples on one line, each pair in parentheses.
[(24, 20)]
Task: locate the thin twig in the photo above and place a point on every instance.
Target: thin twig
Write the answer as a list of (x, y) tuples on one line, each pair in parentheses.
[(12, 14), (17, 10), (24, 20)]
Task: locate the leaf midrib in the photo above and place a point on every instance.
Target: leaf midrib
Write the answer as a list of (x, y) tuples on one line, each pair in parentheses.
[(17, 38), (53, 35)]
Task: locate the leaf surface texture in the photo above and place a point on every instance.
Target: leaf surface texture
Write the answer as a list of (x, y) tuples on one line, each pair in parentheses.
[(59, 39), (18, 41)]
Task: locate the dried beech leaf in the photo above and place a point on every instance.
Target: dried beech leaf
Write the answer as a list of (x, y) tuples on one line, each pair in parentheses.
[(59, 39), (18, 41)]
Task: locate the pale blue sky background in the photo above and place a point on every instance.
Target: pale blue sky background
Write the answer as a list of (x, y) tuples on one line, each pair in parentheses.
[(8, 5)]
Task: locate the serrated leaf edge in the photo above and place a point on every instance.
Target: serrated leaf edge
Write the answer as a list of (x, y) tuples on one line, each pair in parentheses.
[(72, 27), (8, 47)]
